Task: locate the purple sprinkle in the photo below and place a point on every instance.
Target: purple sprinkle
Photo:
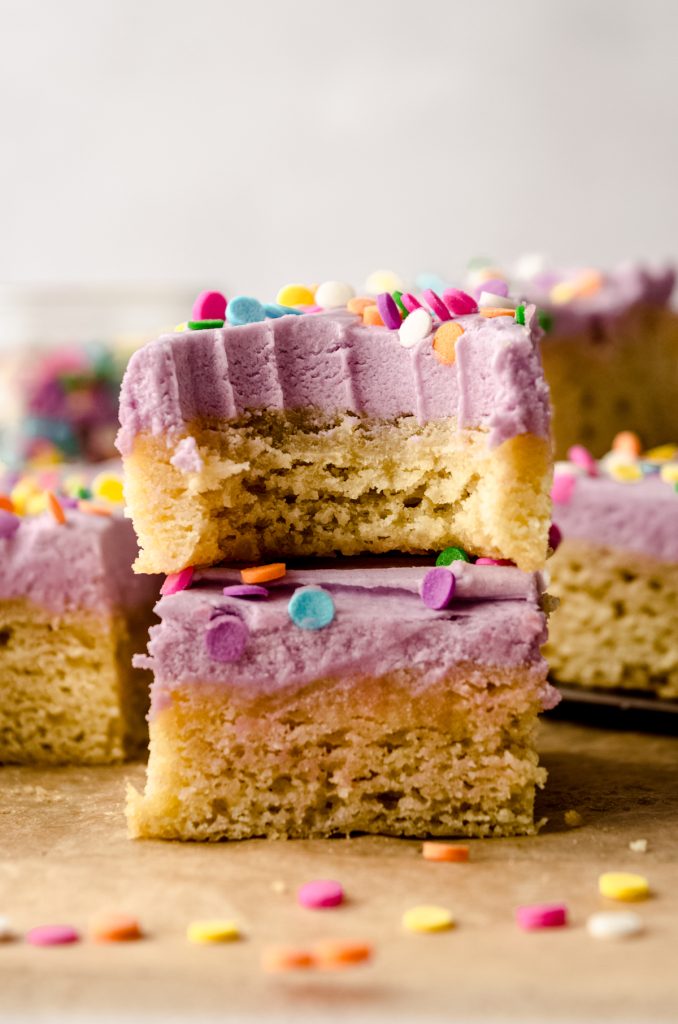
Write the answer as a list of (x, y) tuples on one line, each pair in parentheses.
[(226, 638), (245, 590), (555, 537), (437, 588), (389, 311), (9, 524), (68, 502)]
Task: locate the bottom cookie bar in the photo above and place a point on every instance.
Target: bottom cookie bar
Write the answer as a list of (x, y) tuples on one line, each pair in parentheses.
[(341, 703)]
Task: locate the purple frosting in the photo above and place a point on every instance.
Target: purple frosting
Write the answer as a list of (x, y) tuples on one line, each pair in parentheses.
[(641, 517), (334, 363), (381, 626)]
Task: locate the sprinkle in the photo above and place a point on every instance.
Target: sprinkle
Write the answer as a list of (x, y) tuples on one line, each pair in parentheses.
[(83, 492), (495, 286), (274, 310), (415, 328), (389, 311), (245, 590), (114, 928), (398, 299), (624, 472), (6, 933), (333, 294), (264, 573), (209, 306), (573, 819), (638, 845), (320, 894), (450, 555), (664, 453), (336, 953), (427, 918), (669, 473), (541, 915), (383, 281), (244, 310), (6, 503), (445, 852), (623, 885), (494, 561), (55, 508), (545, 320), (36, 503), (586, 283), (614, 924), (437, 588), (445, 342), (226, 637), (520, 313), (52, 935), (410, 302), (427, 279), (276, 959), (180, 328), (494, 300), (217, 930), (581, 456), (372, 317), (490, 312), (459, 303), (311, 608), (9, 524), (90, 508), (177, 581), (563, 488), (206, 325), (555, 537), (295, 295), (436, 304), (358, 304), (107, 486), (628, 442)]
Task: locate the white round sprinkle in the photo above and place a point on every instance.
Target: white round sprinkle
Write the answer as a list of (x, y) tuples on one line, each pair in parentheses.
[(638, 845), (384, 281), (415, 327), (488, 300), (568, 468), (333, 294), (6, 932), (529, 266), (614, 924)]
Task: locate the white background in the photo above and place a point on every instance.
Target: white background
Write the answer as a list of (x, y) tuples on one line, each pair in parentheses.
[(243, 144)]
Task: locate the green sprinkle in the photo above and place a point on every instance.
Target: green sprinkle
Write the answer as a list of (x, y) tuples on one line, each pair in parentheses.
[(84, 493), (545, 320), (450, 555), (204, 325), (520, 314), (397, 298)]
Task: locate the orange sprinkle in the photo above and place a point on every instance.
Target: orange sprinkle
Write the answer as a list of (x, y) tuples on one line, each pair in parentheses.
[(451, 854), (6, 503), (285, 958), (445, 340), (341, 952), (94, 510), (372, 316), (264, 573), (492, 311), (114, 928), (55, 508), (628, 442), (358, 303)]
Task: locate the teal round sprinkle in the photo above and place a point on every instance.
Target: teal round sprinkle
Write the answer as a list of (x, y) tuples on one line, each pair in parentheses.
[(311, 608), (398, 299), (450, 555), (545, 320), (520, 314), (204, 325), (244, 310), (274, 310)]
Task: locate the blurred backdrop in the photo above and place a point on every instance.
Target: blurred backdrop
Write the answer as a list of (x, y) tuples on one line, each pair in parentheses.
[(153, 147)]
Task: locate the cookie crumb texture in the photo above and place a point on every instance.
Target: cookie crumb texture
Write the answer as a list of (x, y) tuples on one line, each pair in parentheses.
[(300, 483), (617, 622), (336, 757)]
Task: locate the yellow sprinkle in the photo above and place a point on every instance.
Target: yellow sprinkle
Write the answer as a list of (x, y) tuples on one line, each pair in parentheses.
[(586, 283), (180, 328), (295, 295), (384, 281), (669, 473), (623, 885), (108, 486), (664, 453), (72, 483), (217, 930), (21, 492), (427, 919), (36, 503), (625, 472)]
